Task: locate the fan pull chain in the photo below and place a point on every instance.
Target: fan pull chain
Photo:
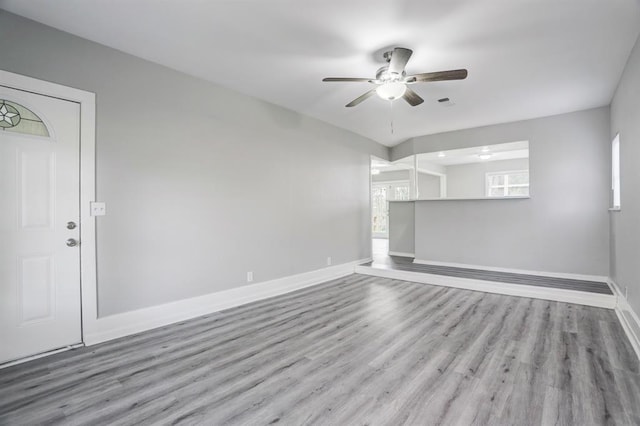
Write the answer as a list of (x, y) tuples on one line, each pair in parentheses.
[(391, 114)]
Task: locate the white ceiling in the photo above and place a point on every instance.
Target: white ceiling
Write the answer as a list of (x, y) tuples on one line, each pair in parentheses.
[(452, 157), (526, 58)]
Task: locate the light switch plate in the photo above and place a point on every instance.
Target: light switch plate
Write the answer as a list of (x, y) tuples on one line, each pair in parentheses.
[(98, 208)]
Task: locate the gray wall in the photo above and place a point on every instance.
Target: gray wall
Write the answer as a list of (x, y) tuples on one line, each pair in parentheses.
[(202, 184), (401, 227), (469, 180), (564, 227), (391, 176), (625, 224), (428, 186)]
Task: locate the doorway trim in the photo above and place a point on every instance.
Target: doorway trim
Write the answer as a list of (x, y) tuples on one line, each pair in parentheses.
[(87, 102)]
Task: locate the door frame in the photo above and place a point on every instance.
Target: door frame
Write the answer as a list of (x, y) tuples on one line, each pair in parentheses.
[(87, 102)]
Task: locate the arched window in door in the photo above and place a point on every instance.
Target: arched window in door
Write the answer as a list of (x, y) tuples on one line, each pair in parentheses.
[(19, 119)]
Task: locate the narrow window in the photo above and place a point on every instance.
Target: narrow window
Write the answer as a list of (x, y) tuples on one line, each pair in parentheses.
[(615, 171)]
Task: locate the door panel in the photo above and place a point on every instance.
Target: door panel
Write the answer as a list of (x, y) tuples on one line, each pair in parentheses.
[(36, 189), (35, 285), (39, 194)]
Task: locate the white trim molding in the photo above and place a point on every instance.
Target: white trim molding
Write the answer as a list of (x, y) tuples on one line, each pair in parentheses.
[(125, 324), (571, 276), (559, 295), (628, 318), (87, 102), (401, 254)]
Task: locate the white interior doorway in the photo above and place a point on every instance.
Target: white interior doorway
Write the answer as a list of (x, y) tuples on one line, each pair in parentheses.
[(390, 181), (381, 194)]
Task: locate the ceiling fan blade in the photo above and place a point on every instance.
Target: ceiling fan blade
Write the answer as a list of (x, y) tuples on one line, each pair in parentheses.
[(412, 97), (361, 98), (399, 59), (438, 76), (346, 79)]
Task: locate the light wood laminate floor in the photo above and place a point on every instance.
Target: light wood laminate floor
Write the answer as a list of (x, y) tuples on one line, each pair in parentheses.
[(358, 350)]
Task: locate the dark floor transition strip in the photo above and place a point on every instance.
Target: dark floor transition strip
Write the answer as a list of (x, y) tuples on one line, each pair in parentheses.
[(406, 264)]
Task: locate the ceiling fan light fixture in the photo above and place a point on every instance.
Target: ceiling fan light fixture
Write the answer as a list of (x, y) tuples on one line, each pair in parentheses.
[(391, 80), (391, 90)]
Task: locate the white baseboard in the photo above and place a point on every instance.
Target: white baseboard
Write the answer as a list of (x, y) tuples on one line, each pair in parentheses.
[(583, 277), (125, 324), (401, 253), (628, 318), (559, 295)]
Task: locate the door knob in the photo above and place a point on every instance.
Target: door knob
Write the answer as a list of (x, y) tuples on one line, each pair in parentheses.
[(71, 242), (71, 225)]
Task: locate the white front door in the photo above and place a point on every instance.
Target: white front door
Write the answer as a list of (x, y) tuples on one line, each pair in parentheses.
[(39, 224)]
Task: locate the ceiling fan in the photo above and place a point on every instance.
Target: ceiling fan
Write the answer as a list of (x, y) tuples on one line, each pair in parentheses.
[(392, 80)]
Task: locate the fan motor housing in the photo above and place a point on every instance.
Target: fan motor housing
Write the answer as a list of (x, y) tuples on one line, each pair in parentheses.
[(383, 74)]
